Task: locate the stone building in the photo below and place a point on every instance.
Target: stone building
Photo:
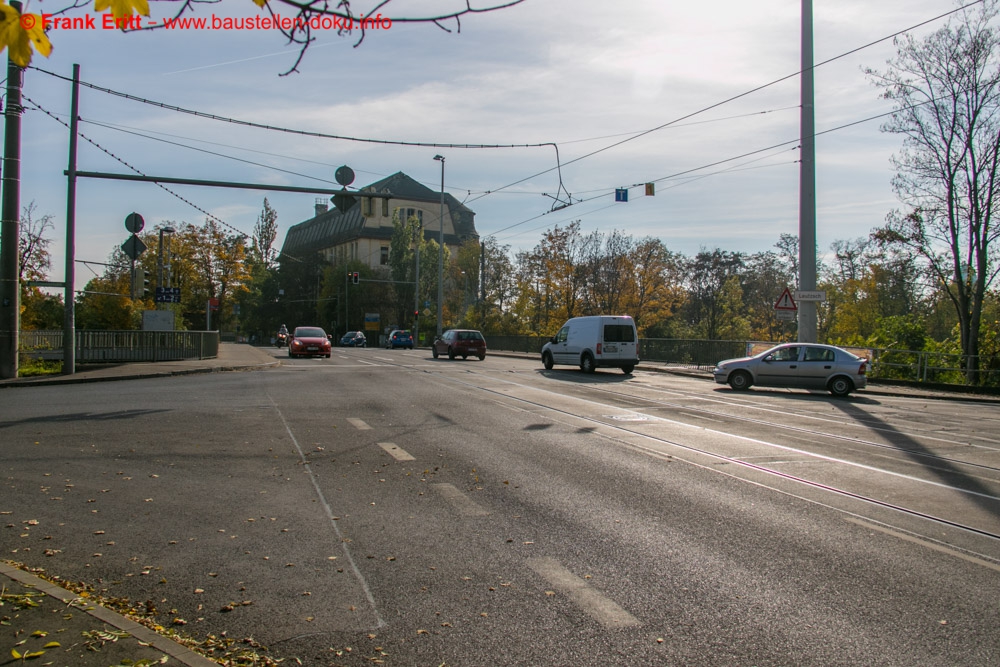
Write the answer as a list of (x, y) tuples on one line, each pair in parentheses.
[(364, 232)]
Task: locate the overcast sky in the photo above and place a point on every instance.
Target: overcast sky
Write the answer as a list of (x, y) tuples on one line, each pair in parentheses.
[(584, 74)]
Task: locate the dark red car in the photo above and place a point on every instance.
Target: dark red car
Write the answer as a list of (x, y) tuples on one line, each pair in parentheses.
[(309, 342), (460, 343)]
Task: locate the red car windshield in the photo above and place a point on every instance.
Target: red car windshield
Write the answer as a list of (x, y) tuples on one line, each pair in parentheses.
[(309, 332)]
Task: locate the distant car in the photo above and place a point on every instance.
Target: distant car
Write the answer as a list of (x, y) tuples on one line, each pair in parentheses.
[(797, 365), (399, 338), (353, 339), (460, 343), (309, 342)]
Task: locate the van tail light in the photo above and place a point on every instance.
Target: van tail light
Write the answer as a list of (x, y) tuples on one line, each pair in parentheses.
[(864, 367), (598, 348)]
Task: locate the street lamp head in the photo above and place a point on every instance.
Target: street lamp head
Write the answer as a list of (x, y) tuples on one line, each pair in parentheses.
[(439, 157), (168, 230)]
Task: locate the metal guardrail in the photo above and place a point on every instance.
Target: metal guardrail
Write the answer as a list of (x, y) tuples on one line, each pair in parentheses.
[(123, 346)]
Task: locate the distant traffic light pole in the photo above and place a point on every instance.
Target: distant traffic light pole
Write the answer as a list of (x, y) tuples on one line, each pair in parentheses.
[(441, 250)]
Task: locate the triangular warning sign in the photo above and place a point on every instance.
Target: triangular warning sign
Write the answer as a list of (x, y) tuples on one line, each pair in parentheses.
[(785, 301)]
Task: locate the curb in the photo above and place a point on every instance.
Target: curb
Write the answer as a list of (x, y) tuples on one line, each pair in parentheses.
[(78, 379), (178, 652)]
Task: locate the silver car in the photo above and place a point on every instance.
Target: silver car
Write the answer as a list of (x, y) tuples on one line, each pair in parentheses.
[(799, 365)]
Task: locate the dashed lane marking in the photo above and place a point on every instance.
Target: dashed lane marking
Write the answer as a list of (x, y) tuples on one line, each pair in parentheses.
[(396, 452), (359, 424), (594, 604), (459, 500)]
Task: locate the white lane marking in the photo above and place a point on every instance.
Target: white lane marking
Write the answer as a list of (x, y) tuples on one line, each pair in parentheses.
[(461, 502), (925, 543), (713, 431), (697, 416), (358, 424), (594, 604), (330, 516), (396, 452)]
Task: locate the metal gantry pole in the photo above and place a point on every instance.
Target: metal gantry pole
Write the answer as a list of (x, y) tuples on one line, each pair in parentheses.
[(69, 313)]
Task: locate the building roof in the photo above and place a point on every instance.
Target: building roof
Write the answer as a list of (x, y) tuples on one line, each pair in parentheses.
[(334, 228)]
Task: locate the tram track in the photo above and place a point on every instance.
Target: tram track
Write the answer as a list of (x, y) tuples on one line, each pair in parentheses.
[(631, 437), (823, 434), (635, 433)]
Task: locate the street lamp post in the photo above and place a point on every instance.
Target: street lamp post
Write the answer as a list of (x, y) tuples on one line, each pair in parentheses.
[(441, 250), (416, 290), (465, 292)]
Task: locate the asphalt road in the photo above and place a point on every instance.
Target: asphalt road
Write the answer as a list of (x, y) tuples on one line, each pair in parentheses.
[(383, 507)]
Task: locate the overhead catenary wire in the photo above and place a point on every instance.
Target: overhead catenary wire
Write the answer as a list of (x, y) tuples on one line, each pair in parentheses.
[(559, 164), (135, 169), (733, 98)]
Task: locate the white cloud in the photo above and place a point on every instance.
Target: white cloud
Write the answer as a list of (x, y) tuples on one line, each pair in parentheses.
[(555, 70)]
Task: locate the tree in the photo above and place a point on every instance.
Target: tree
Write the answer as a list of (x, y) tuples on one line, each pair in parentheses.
[(20, 32), (654, 276), (265, 231), (499, 288), (38, 309), (767, 275), (32, 246), (707, 272), (946, 93), (106, 302)]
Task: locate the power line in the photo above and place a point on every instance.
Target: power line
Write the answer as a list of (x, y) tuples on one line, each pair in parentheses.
[(732, 99), (135, 169)]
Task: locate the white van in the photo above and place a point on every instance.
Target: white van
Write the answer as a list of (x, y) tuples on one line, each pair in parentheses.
[(598, 341)]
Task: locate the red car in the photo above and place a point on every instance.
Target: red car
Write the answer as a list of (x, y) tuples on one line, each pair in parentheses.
[(460, 343), (309, 342)]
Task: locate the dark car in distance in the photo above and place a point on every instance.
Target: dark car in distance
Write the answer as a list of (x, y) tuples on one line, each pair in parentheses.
[(309, 342), (460, 343), (353, 339), (399, 338)]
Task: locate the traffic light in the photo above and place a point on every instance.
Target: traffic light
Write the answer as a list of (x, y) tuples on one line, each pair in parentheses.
[(416, 314), (140, 285), (355, 277)]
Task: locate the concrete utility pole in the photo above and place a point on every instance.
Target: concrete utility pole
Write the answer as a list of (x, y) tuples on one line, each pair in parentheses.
[(10, 289), (807, 183)]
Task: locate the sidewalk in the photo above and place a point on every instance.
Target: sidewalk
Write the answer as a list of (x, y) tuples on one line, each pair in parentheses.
[(232, 357), (50, 625)]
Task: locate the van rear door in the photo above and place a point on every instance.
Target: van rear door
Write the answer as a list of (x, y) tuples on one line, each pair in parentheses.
[(619, 339)]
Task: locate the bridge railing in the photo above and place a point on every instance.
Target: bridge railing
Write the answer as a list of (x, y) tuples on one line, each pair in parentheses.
[(123, 346)]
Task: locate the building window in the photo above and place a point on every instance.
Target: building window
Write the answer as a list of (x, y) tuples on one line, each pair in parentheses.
[(385, 207), (366, 206), (385, 255)]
